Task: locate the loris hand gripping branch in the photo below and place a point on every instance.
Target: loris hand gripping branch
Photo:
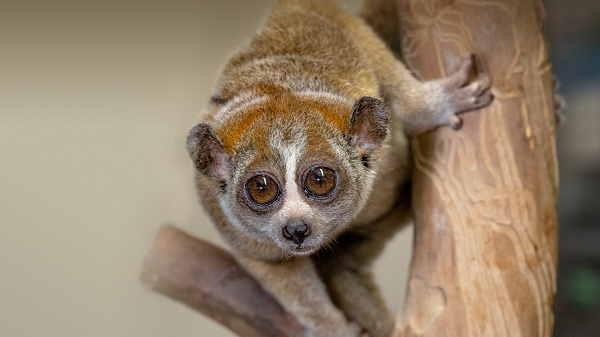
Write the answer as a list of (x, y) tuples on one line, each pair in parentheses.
[(301, 155)]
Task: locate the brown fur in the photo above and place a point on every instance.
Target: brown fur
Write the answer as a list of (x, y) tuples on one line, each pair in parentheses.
[(307, 91)]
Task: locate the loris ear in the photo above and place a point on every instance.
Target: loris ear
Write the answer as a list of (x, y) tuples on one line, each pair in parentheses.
[(207, 152), (368, 124)]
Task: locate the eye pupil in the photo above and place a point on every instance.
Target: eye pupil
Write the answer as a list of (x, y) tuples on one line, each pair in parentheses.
[(262, 189), (320, 181), (262, 185), (320, 176)]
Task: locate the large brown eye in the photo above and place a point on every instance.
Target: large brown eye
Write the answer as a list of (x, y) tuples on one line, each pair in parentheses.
[(320, 181), (262, 189)]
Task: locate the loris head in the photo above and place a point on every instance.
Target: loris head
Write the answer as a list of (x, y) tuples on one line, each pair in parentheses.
[(291, 170)]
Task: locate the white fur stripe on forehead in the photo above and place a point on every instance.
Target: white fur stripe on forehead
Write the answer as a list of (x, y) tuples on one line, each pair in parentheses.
[(241, 102), (290, 144), (326, 96), (291, 148)]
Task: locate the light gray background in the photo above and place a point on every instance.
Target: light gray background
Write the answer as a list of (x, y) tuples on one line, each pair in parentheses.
[(96, 98)]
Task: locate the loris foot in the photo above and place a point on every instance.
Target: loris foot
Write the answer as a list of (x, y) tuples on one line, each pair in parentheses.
[(450, 96), (351, 329), (461, 96)]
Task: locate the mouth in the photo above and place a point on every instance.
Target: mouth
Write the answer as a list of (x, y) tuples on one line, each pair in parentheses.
[(306, 247), (301, 249)]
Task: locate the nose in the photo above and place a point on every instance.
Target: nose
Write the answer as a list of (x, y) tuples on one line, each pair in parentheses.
[(296, 231)]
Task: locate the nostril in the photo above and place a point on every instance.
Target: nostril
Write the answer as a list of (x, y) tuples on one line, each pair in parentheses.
[(286, 233), (300, 229), (296, 232)]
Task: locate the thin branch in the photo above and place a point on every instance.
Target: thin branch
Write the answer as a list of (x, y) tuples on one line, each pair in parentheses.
[(208, 279)]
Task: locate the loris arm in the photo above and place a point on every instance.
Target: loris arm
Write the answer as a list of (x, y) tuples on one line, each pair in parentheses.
[(346, 270)]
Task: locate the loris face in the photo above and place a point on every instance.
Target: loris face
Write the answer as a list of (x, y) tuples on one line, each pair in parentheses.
[(293, 170)]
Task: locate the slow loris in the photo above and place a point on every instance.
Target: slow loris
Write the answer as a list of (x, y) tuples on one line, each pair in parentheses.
[(302, 153)]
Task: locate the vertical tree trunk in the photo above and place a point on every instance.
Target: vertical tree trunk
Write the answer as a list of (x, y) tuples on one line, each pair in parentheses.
[(485, 255)]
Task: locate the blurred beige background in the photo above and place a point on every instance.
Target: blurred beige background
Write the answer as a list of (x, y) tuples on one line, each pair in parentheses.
[(96, 99)]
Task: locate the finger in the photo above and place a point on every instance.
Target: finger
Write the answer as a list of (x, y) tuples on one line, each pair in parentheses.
[(454, 122), (484, 99), (484, 82), (460, 78)]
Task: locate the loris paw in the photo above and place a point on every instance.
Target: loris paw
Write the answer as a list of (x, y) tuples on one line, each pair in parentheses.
[(461, 96), (442, 100), (355, 330), (350, 329)]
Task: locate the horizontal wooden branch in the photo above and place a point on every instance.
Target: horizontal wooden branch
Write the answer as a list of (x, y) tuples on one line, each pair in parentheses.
[(208, 279)]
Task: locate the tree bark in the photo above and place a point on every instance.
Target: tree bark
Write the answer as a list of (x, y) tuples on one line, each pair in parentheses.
[(485, 254)]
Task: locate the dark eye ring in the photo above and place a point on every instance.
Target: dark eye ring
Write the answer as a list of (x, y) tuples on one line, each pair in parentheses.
[(320, 181), (262, 190)]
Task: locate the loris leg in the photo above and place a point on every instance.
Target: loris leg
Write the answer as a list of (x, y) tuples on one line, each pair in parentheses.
[(297, 286), (346, 270)]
